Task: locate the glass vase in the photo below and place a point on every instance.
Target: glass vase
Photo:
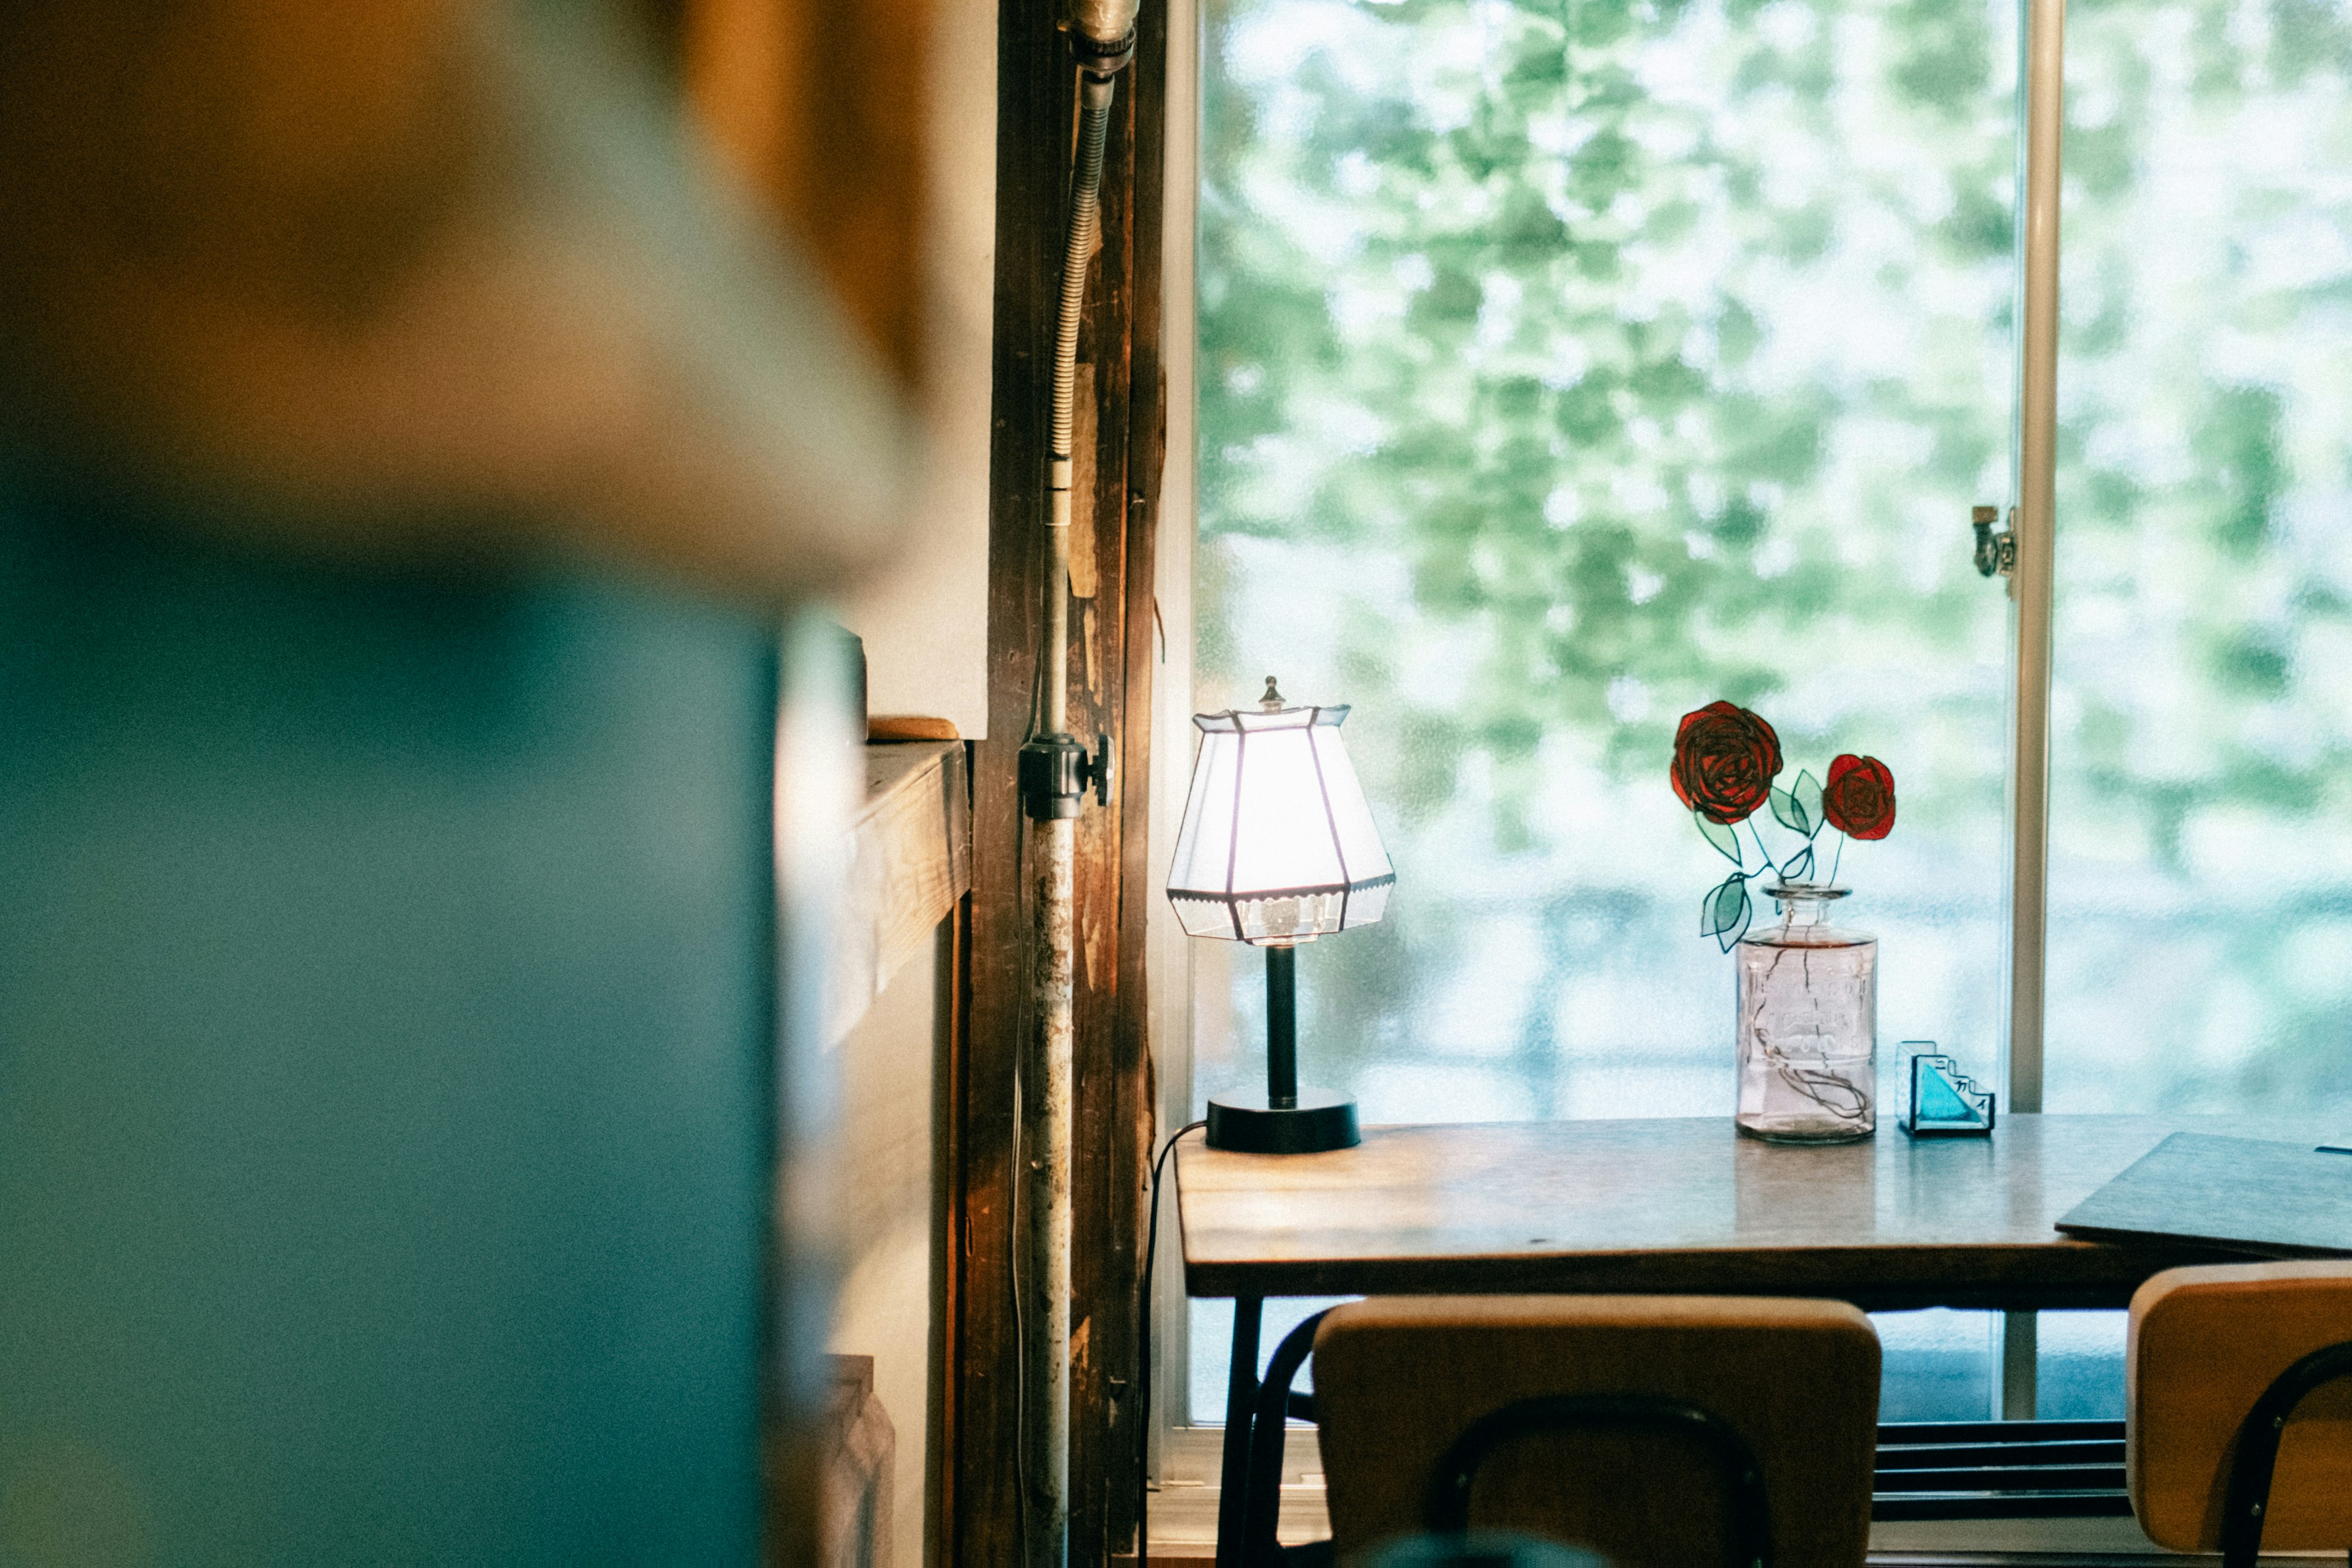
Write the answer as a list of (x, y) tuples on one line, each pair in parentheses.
[(1808, 1024)]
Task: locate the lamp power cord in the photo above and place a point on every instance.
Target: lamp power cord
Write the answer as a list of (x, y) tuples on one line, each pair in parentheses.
[(1143, 1352)]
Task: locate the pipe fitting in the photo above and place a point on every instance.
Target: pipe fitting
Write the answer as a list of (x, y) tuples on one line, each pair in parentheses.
[(1109, 24), (1056, 774), (1101, 61)]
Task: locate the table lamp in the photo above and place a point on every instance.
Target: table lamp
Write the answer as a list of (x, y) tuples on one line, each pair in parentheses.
[(1277, 847)]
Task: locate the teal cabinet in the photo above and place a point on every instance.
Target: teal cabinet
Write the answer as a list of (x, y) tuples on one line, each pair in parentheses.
[(386, 1053)]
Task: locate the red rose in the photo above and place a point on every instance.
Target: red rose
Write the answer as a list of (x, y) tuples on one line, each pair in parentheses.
[(1859, 799), (1725, 758)]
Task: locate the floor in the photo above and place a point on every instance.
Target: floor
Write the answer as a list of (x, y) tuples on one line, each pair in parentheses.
[(1184, 1531)]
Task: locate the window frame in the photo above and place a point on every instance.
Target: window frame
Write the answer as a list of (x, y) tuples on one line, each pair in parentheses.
[(2030, 511), (1169, 965)]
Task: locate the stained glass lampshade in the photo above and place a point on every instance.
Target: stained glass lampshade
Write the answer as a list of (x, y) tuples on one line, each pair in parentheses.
[(1277, 847)]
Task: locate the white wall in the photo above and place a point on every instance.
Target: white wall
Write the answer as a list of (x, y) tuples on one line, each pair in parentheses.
[(925, 625), (893, 1223), (926, 632)]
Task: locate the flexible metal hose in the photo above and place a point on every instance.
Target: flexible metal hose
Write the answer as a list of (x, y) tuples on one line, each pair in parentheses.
[(1086, 224), (1095, 95)]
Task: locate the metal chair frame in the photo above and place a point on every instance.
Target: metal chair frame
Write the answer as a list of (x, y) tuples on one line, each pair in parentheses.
[(1447, 1511), (2247, 1495), (1270, 1414)]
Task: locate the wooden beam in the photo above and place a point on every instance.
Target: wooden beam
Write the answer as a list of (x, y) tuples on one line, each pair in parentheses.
[(1128, 1153), (1111, 692), (1116, 1088), (950, 1094), (1033, 104)]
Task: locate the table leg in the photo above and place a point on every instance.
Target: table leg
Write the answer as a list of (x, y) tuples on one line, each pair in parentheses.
[(1241, 1399)]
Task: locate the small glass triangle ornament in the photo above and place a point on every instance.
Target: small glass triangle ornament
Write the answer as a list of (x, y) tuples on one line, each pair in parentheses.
[(1938, 1100), (1944, 1101)]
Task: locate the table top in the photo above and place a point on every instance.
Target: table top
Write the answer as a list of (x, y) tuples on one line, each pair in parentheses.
[(1687, 1206)]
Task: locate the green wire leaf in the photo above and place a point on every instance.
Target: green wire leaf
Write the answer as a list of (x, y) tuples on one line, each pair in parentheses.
[(1798, 867), (1732, 931), (1723, 837), (1807, 794), (1708, 925), (1724, 913), (1789, 810)]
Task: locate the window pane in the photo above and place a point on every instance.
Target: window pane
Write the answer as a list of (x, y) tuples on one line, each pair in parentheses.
[(1565, 367), (2080, 1371), (2200, 934), (1936, 1365), (1213, 1338)]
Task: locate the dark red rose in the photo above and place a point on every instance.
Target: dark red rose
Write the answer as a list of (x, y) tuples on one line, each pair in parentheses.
[(1859, 799), (1725, 758)]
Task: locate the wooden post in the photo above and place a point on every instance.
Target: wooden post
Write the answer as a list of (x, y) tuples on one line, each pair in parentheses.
[(1110, 653)]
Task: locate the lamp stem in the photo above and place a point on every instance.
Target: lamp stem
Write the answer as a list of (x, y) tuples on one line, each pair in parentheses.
[(1282, 1028), (1287, 1121)]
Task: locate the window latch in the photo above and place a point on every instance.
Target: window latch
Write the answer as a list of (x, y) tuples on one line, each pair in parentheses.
[(1996, 552)]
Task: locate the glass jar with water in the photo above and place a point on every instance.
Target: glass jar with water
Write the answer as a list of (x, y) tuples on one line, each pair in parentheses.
[(1808, 1024)]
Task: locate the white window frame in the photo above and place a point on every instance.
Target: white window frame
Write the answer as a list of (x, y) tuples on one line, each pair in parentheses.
[(1168, 960), (2041, 85)]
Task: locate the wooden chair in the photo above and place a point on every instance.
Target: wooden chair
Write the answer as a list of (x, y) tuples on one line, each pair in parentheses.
[(1488, 1551), (2238, 1412), (1661, 1430)]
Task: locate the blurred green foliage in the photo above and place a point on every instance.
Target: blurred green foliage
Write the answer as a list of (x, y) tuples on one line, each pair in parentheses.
[(1487, 291), (1566, 365), (1524, 299)]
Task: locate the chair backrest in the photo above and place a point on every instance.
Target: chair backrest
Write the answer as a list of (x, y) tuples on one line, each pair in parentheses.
[(1484, 1551), (2204, 1344), (1399, 1379)]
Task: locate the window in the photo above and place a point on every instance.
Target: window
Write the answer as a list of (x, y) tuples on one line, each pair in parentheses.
[(2201, 875), (1561, 369), (1563, 366)]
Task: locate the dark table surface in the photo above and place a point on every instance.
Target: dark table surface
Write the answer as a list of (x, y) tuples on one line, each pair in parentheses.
[(1684, 1205)]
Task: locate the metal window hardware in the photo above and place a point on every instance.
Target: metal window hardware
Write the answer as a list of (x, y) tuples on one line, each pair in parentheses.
[(1996, 552)]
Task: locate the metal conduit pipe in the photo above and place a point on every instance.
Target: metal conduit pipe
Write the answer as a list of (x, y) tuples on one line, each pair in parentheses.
[(1046, 1071), (1056, 773)]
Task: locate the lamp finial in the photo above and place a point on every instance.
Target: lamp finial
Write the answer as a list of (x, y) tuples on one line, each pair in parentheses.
[(1272, 700)]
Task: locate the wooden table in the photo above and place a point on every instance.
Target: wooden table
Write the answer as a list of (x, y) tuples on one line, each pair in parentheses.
[(1673, 1206)]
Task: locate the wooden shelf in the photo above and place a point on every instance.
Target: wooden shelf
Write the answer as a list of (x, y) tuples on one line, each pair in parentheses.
[(910, 860)]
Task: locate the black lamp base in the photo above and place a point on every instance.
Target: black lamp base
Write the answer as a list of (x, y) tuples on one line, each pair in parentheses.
[(1321, 1121)]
